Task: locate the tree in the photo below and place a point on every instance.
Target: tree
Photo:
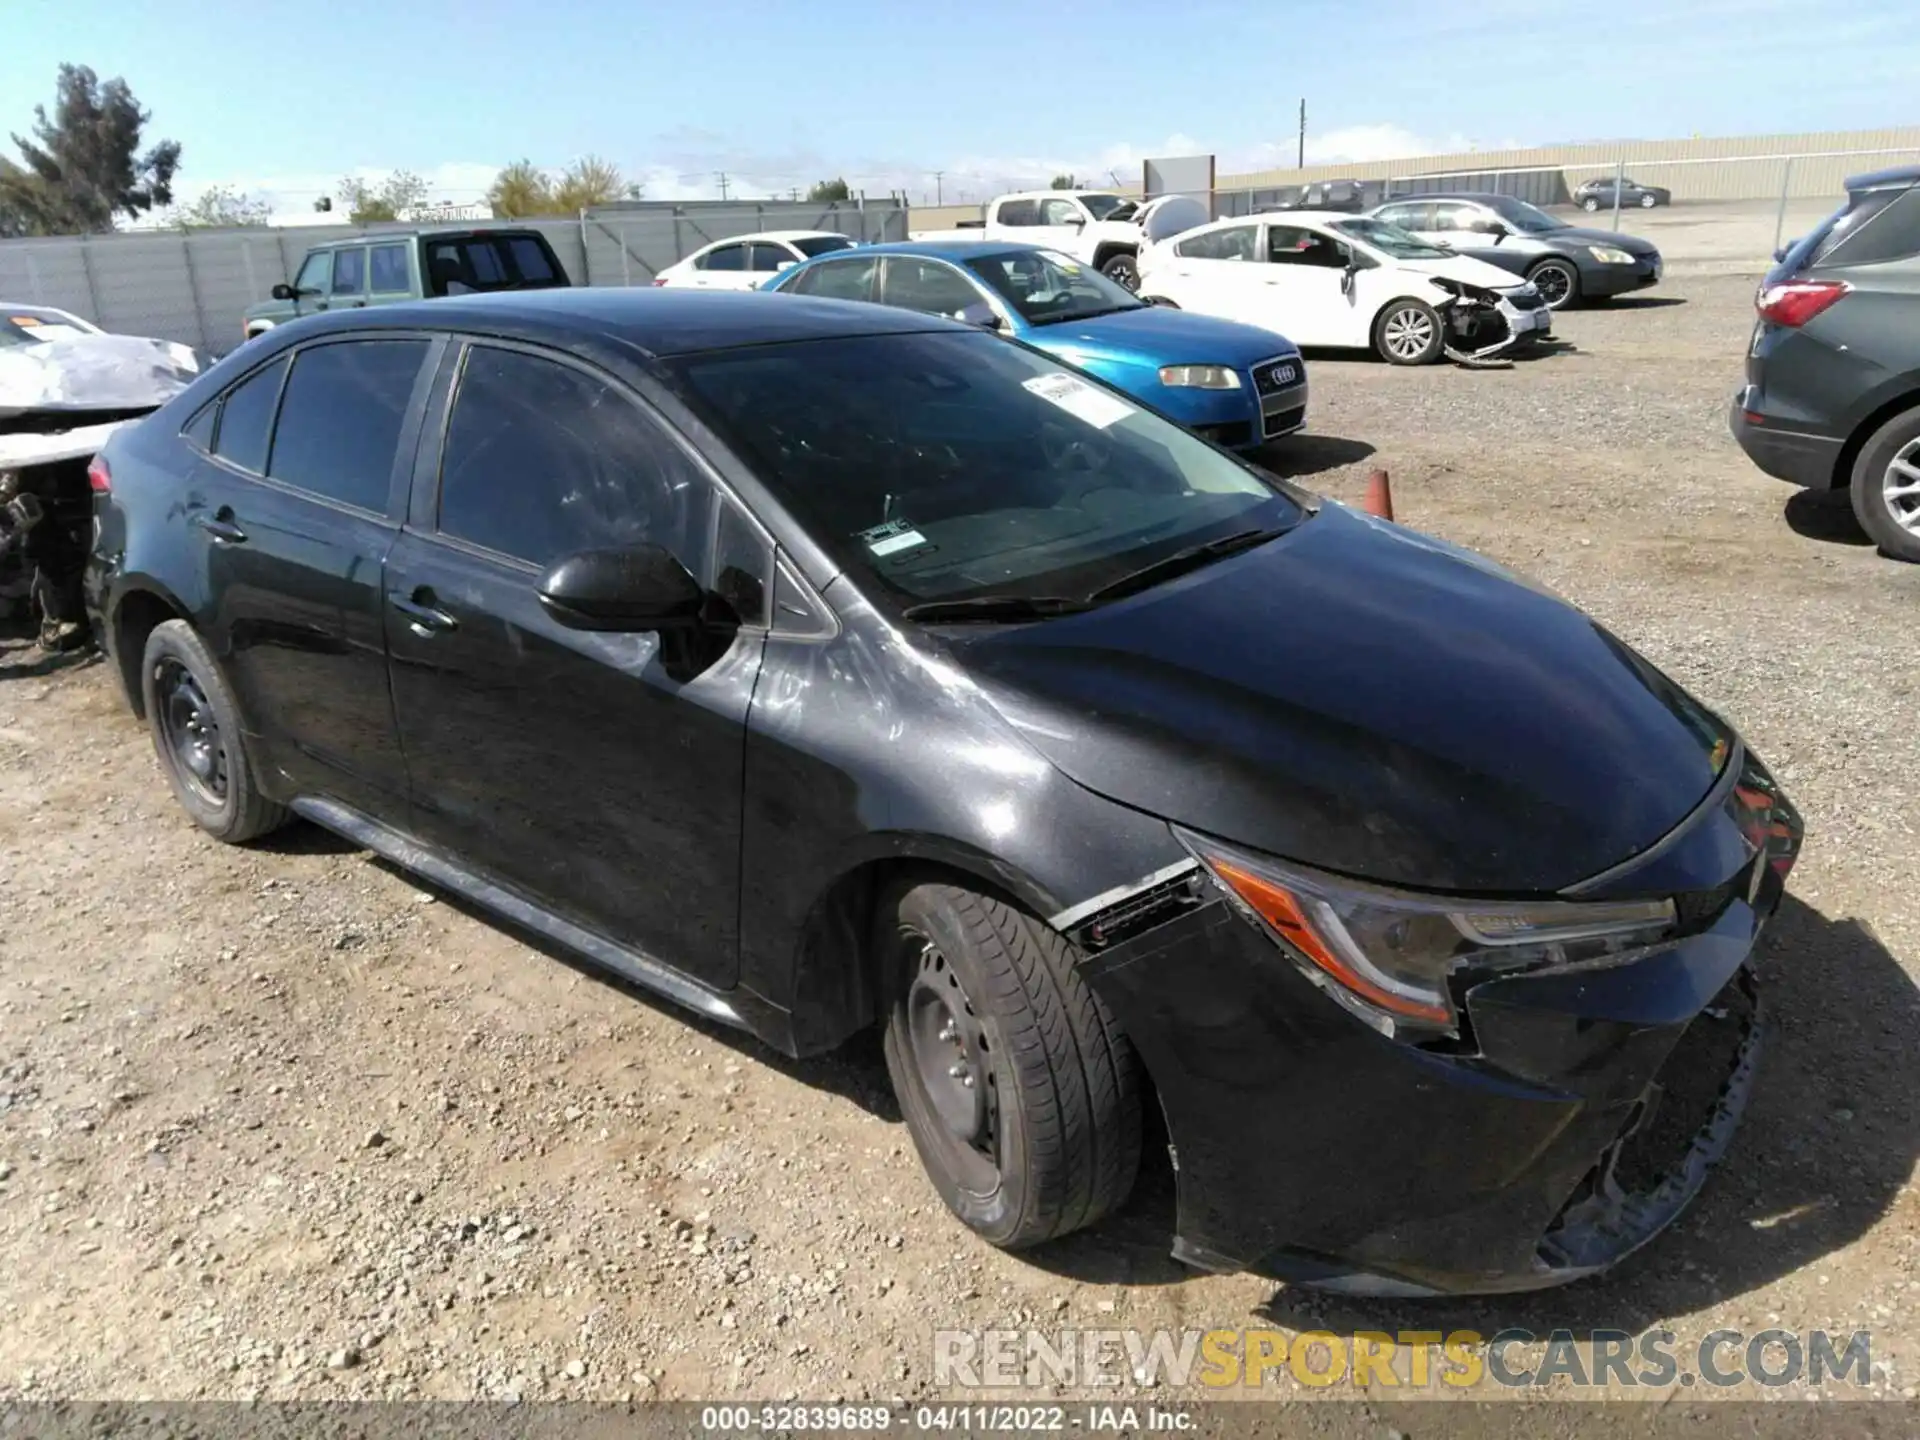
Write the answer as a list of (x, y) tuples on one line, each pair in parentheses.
[(588, 182), (394, 196), (521, 190), (1064, 182), (84, 165), (221, 207), (824, 190)]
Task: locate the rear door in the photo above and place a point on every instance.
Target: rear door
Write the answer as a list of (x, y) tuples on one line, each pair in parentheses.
[(294, 514), (725, 268), (597, 774), (850, 279), (1212, 272), (767, 258)]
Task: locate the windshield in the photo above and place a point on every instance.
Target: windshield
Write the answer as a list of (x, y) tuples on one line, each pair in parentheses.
[(1101, 207), (1522, 216), (821, 244), (30, 324), (1390, 240), (1047, 288), (949, 466)]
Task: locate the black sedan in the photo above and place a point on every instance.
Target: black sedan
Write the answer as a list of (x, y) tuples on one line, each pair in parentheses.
[(1599, 194), (823, 666)]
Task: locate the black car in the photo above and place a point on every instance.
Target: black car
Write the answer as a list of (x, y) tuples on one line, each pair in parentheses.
[(1599, 194), (1832, 399), (824, 666), (1568, 263)]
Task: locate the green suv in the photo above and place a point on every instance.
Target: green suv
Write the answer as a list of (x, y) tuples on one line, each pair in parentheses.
[(391, 265)]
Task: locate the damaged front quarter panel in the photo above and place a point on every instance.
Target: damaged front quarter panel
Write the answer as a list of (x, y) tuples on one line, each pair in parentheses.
[(1479, 326)]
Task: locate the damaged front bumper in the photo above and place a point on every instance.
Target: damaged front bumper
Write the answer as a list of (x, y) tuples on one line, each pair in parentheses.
[(1579, 1113), (1483, 325)]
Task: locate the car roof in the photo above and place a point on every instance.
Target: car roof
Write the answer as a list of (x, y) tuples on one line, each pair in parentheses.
[(656, 322), (424, 232), (1882, 179), (1051, 194), (956, 250), (777, 235), (1481, 197)]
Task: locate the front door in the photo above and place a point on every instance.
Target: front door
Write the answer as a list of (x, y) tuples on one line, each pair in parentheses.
[(599, 775), (1061, 223), (294, 513), (310, 286), (1305, 292), (349, 288)]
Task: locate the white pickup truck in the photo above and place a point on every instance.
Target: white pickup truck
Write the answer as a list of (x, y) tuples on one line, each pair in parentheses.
[(1096, 227)]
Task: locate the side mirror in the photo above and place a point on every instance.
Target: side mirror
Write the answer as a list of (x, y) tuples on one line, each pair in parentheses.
[(1781, 254), (284, 291), (633, 591), (1078, 222), (989, 321)]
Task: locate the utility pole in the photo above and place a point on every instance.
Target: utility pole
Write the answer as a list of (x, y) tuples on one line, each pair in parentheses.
[(721, 176), (1301, 164), (937, 196)]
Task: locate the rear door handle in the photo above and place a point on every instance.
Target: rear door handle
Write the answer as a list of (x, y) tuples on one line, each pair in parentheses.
[(221, 527), (423, 617)]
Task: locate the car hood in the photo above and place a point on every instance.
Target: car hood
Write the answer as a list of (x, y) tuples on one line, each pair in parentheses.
[(1576, 237), (1464, 269), (1367, 700), (1159, 335), (95, 372)]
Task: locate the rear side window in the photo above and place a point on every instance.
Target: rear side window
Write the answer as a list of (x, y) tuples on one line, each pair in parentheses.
[(1235, 242), (341, 419), (727, 257), (246, 418), (1875, 226), (769, 258), (543, 460), (530, 259), (199, 430), (837, 279), (388, 266), (1019, 212)]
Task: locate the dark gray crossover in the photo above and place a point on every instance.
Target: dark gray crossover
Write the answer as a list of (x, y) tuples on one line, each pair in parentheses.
[(1569, 264), (1832, 396), (826, 666)]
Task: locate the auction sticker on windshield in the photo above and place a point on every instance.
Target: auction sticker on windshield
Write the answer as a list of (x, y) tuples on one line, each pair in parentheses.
[(892, 537), (1079, 399)]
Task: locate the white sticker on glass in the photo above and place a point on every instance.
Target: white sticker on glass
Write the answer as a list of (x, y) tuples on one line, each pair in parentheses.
[(1079, 399)]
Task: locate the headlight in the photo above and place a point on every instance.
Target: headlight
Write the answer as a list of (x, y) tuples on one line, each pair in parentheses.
[(1608, 255), (1200, 377), (1386, 956)]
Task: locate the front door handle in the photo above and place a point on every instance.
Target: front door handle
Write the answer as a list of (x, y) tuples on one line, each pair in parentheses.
[(220, 526), (424, 618)]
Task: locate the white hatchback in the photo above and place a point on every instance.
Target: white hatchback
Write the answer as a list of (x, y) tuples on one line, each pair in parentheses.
[(1345, 281), (745, 262)]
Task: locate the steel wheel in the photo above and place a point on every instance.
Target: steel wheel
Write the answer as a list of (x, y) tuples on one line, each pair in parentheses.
[(1900, 487), (1408, 334), (951, 1058), (191, 731), (1556, 283)]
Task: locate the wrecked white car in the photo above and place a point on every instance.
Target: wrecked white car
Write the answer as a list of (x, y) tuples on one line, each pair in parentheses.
[(65, 386)]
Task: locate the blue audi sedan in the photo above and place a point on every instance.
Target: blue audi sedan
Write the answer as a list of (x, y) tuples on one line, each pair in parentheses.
[(1238, 385)]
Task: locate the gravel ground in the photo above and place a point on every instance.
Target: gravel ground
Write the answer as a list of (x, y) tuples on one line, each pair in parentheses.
[(280, 1123)]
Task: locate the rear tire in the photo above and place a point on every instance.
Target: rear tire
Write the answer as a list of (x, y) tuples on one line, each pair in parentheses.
[(1886, 486), (1408, 332), (1020, 1092), (195, 725)]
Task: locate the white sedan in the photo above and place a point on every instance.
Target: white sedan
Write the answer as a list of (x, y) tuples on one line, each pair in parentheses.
[(744, 262), (1344, 281)]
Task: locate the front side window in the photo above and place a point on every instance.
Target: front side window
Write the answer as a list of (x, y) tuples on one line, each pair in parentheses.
[(742, 565), (349, 271), (1047, 288), (1528, 219), (727, 257), (1103, 207), (1408, 217), (315, 273), (1390, 240), (932, 288), (1295, 245), (246, 418), (543, 460), (1230, 242), (850, 279), (387, 264), (341, 417), (956, 466), (1059, 212)]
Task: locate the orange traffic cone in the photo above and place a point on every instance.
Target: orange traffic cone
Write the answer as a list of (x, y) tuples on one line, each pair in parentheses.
[(1379, 495)]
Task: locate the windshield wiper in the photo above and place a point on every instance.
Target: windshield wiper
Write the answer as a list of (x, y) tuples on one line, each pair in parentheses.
[(996, 607), (1181, 561)]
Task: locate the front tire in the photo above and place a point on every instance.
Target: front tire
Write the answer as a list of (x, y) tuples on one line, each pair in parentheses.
[(195, 724), (1408, 332), (1590, 204), (1886, 486), (1647, 202), (1558, 283), (1021, 1094), (1124, 270)]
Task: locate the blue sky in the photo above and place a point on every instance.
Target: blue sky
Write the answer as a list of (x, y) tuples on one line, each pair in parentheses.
[(284, 98)]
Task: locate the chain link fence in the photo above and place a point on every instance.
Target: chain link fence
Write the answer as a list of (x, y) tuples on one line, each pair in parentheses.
[(192, 286)]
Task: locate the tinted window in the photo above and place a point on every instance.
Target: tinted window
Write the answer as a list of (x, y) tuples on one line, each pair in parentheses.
[(1234, 242), (542, 460), (483, 262), (1878, 225), (199, 430), (931, 288), (837, 279), (954, 464), (727, 257), (742, 565), (314, 272), (246, 416), (388, 266), (457, 266), (340, 421), (349, 271), (1019, 212), (768, 258), (821, 244), (530, 258)]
